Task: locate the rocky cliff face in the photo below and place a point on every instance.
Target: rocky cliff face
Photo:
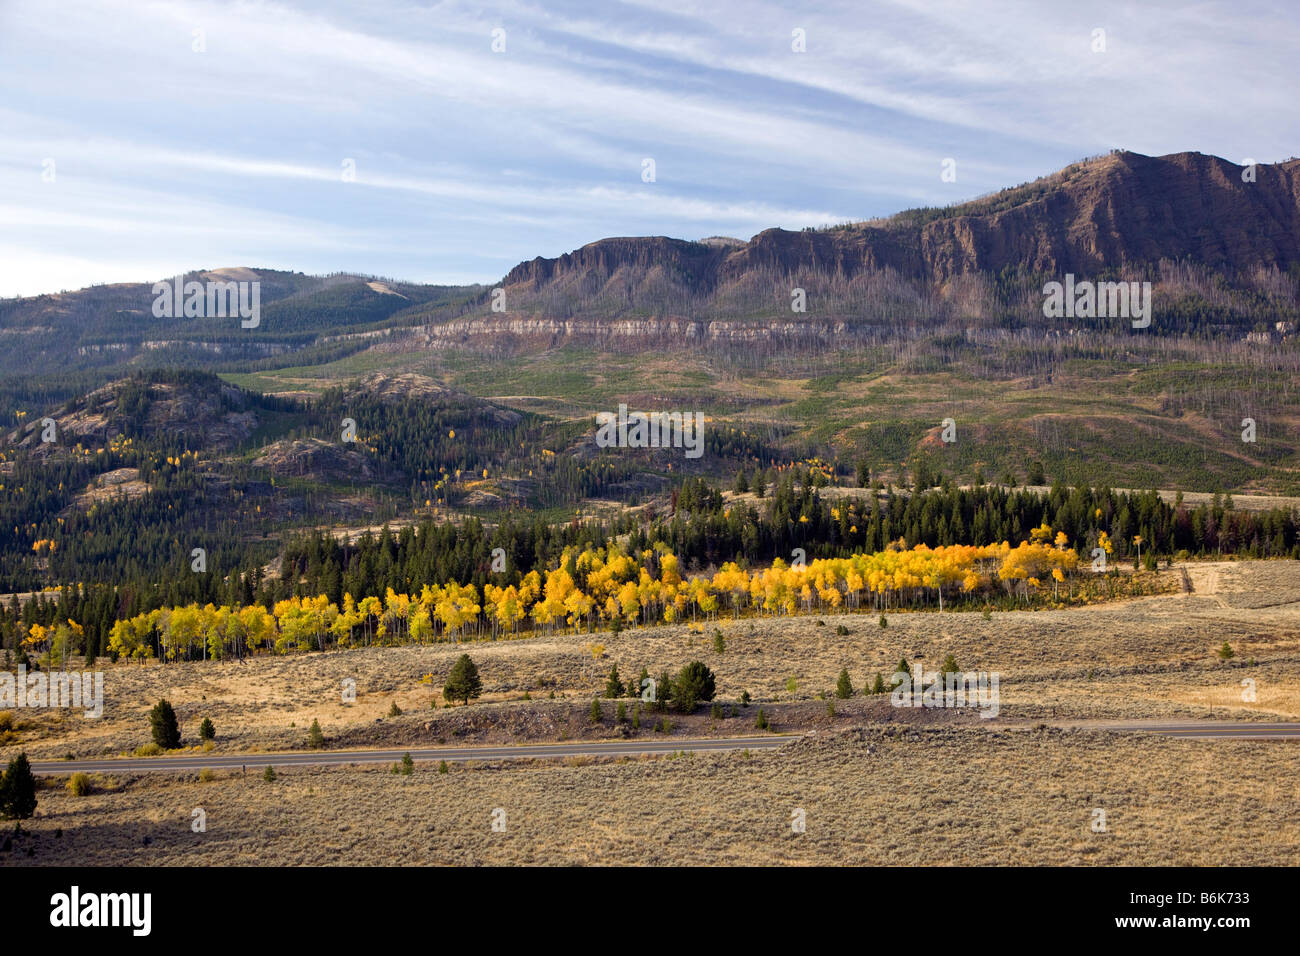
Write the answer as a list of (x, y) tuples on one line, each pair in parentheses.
[(1121, 212)]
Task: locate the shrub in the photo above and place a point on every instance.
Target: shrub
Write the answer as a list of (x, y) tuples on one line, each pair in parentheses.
[(18, 790), (408, 765), (162, 722), (621, 714), (315, 738), (745, 698), (694, 683), (841, 630), (463, 683), (206, 730), (716, 711), (830, 708), (268, 774), (394, 710), (442, 766), (148, 750), (843, 686), (1226, 652), (79, 784), (791, 685), (206, 775), (636, 716), (884, 621)]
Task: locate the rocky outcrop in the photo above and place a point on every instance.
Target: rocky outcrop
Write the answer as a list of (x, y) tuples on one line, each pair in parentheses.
[(1119, 212)]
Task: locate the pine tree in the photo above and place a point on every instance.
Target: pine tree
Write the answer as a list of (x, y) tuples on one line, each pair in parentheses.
[(694, 683), (949, 666), (761, 722), (18, 790), (878, 687), (595, 714), (408, 765), (613, 684), (463, 682), (844, 687), (269, 774), (719, 643), (206, 730), (315, 738), (663, 691), (162, 722)]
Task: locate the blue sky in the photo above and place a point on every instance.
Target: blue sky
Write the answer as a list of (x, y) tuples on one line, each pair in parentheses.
[(167, 158)]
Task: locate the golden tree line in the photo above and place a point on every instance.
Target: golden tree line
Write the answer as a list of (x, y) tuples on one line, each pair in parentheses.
[(595, 588)]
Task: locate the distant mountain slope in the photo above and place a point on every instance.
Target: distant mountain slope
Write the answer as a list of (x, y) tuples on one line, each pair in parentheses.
[(1121, 213), (112, 325), (1223, 255)]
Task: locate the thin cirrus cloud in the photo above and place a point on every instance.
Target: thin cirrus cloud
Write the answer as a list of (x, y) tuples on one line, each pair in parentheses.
[(168, 157)]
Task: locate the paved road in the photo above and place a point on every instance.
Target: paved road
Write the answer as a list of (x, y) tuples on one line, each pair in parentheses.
[(334, 758), (1199, 729)]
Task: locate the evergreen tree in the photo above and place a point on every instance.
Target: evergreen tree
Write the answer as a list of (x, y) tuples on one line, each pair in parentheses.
[(613, 684), (463, 683), (595, 715), (206, 730), (694, 683), (18, 790), (162, 722), (315, 738), (663, 691), (844, 687)]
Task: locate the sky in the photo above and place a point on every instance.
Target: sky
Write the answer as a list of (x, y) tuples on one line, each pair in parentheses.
[(446, 142)]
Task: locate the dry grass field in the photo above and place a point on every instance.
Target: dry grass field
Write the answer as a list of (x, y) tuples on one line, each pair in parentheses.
[(870, 796), (879, 784)]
